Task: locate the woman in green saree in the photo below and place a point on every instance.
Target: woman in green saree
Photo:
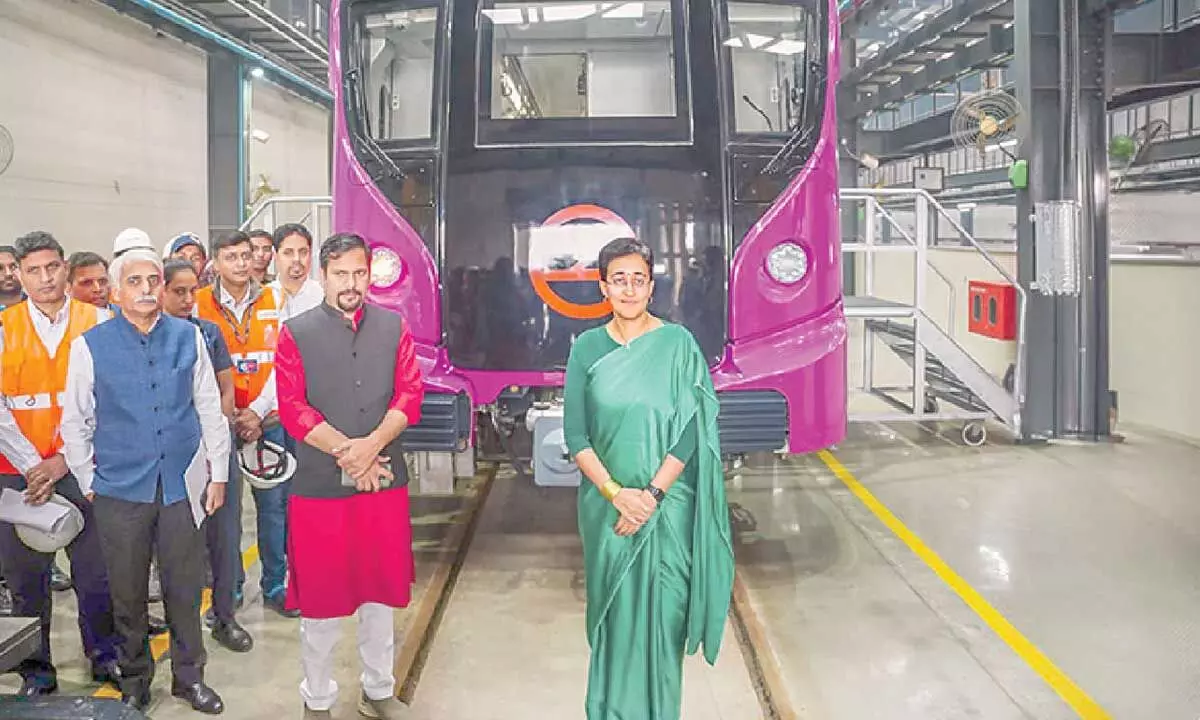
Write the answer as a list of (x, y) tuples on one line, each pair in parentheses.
[(641, 422)]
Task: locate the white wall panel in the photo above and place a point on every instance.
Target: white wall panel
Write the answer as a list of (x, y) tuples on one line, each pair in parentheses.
[(295, 158), (108, 120)]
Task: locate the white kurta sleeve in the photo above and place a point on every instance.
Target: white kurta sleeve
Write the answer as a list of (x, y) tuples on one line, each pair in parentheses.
[(266, 402), (79, 415), (206, 396)]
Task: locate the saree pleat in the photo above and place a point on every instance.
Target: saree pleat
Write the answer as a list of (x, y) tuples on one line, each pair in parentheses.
[(666, 589)]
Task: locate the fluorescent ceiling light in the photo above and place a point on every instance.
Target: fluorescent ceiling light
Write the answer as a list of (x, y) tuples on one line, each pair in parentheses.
[(629, 10), (757, 41), (505, 16), (734, 43), (787, 47), (578, 11)]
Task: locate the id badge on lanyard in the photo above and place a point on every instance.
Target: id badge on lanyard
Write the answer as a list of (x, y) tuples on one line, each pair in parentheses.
[(246, 366)]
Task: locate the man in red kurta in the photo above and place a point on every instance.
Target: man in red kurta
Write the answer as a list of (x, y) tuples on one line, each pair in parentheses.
[(348, 385)]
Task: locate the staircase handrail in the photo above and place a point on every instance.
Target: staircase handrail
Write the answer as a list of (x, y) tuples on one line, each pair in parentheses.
[(917, 194), (261, 206), (950, 291)]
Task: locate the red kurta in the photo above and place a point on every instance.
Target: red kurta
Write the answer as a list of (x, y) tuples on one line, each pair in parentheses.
[(343, 552)]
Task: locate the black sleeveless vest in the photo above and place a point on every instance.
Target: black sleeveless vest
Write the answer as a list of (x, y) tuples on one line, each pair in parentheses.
[(350, 380)]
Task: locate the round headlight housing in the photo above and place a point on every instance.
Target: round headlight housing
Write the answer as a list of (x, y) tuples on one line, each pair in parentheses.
[(386, 267), (787, 263)]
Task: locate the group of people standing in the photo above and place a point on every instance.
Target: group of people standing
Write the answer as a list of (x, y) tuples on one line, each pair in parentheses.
[(141, 388), (134, 398)]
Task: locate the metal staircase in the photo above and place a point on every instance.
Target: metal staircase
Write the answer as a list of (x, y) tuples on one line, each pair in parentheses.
[(946, 383)]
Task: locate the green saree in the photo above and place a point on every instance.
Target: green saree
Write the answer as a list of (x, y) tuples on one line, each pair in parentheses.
[(665, 590)]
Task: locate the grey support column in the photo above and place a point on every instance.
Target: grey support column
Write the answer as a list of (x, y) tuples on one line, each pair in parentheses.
[(847, 164), (226, 143), (1059, 65)]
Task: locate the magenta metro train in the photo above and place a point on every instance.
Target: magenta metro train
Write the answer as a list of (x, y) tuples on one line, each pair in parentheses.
[(487, 150)]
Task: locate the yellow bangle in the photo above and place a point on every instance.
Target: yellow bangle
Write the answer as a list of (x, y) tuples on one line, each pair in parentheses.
[(610, 489)]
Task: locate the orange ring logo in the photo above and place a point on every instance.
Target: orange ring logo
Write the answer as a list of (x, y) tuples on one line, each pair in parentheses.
[(541, 278)]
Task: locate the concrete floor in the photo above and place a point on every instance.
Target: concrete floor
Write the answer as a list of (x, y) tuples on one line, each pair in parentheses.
[(1089, 551)]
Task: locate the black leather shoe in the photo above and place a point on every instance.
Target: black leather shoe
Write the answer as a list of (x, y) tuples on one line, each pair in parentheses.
[(138, 701), (278, 605), (31, 687), (202, 698), (232, 636), (106, 672)]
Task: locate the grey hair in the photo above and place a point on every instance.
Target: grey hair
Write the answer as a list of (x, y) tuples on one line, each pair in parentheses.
[(138, 254)]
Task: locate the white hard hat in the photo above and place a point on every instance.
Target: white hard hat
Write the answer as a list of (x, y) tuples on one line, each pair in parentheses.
[(131, 238), (265, 464), (64, 531)]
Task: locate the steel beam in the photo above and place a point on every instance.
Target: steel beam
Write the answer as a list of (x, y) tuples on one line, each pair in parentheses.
[(993, 51), (1168, 150), (848, 167), (937, 29), (1059, 67), (1150, 65)]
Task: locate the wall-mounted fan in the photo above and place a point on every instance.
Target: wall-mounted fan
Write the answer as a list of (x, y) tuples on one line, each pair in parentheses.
[(986, 120), (6, 149)]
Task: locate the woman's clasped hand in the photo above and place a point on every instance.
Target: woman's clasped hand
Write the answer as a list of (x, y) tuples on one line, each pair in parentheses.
[(636, 507)]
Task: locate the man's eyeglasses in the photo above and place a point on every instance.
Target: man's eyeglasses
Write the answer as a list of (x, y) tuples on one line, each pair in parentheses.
[(637, 281)]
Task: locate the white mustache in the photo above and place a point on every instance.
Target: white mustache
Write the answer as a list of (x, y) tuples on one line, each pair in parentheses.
[(146, 299)]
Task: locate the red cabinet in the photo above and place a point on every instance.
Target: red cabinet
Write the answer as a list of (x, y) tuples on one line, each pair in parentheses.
[(993, 309)]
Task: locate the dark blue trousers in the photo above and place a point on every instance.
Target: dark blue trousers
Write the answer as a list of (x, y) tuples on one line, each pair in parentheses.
[(27, 573), (272, 527), (223, 536)]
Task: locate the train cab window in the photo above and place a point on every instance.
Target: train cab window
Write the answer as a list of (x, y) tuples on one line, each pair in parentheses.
[(580, 72), (775, 52), (397, 51)]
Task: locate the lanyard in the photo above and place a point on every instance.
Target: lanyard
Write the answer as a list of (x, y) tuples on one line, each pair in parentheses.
[(241, 331)]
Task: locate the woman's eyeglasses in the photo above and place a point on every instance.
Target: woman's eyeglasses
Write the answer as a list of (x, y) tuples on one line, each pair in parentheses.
[(637, 281)]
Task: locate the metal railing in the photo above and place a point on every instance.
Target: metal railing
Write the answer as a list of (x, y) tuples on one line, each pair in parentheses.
[(926, 207), (314, 212)]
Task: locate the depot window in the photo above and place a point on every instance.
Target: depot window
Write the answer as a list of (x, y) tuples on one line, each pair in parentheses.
[(776, 53), (582, 72), (392, 70)]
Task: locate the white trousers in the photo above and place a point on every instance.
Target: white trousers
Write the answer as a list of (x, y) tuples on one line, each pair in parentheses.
[(376, 651)]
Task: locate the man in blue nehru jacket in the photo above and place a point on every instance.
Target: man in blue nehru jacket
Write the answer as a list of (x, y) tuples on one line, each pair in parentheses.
[(142, 428)]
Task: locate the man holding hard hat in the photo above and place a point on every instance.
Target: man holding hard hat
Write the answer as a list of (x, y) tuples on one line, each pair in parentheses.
[(34, 343)]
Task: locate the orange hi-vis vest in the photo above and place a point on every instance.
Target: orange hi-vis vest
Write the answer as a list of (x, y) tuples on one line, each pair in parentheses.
[(251, 342), (32, 381)]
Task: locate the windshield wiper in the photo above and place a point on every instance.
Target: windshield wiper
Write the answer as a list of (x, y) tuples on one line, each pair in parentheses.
[(363, 139), (803, 131)]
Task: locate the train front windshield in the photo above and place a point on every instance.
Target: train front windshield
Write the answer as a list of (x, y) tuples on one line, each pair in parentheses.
[(559, 126)]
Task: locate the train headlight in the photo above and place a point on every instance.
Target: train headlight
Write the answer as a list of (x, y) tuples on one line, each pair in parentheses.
[(385, 267), (787, 263)]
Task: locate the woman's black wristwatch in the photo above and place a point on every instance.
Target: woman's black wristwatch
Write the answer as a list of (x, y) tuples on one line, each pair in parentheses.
[(655, 493)]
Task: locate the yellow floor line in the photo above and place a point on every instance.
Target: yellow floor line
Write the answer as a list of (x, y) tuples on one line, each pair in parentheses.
[(160, 643), (1066, 688)]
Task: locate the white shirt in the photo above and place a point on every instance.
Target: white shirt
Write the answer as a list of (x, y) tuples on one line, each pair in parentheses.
[(239, 307), (267, 400), (50, 330), (79, 415), (311, 295)]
